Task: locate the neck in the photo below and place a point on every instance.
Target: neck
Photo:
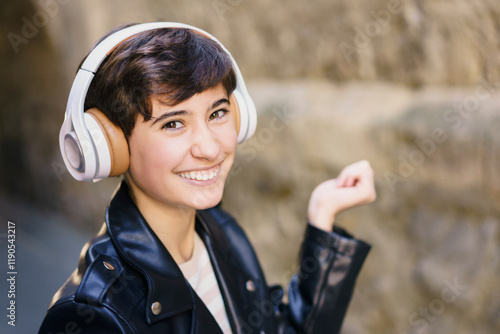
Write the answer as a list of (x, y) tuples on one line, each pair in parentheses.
[(174, 226)]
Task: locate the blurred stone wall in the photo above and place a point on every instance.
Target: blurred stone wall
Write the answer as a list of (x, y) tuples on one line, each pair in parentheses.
[(435, 225), (414, 42), (412, 86)]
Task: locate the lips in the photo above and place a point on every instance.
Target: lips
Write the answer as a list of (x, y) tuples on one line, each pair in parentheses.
[(200, 175)]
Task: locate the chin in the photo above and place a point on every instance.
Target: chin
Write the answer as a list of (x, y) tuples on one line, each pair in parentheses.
[(203, 201), (206, 205)]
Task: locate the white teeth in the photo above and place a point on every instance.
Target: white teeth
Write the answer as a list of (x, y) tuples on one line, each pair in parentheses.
[(200, 176)]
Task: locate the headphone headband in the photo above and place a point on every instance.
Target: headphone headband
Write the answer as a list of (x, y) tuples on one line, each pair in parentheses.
[(83, 147)]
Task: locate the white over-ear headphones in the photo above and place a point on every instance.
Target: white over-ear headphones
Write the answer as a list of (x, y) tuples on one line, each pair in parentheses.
[(91, 146)]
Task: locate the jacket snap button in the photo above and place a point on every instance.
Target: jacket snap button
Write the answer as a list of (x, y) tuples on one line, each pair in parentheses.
[(108, 266), (250, 286), (156, 308)]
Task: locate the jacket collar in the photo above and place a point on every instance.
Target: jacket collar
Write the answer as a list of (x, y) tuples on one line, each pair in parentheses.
[(138, 245)]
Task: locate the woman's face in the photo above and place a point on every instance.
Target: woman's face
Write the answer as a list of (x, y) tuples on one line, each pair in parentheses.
[(182, 155)]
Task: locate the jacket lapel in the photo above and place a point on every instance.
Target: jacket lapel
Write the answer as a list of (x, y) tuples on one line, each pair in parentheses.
[(139, 246), (230, 274)]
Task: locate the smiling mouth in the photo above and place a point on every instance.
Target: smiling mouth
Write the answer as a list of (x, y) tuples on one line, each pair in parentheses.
[(201, 175)]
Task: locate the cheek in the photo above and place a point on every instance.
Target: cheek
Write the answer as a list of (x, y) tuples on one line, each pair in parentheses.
[(150, 157), (229, 139), (230, 145)]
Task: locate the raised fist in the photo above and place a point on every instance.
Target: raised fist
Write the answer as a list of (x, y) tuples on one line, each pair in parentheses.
[(353, 186)]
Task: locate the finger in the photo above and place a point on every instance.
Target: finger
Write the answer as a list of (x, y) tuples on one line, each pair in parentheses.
[(354, 173), (350, 176), (367, 187), (350, 181), (340, 180), (344, 177)]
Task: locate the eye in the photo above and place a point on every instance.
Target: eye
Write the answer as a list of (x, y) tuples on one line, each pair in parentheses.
[(218, 114), (172, 125)]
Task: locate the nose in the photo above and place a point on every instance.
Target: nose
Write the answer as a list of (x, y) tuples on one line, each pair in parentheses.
[(205, 144)]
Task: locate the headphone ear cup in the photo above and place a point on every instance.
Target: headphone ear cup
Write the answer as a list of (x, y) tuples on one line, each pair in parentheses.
[(243, 116), (115, 140), (235, 111)]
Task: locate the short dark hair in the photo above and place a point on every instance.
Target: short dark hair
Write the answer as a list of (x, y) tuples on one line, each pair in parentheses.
[(170, 63)]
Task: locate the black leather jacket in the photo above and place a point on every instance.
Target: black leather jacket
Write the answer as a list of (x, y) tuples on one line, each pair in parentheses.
[(127, 282)]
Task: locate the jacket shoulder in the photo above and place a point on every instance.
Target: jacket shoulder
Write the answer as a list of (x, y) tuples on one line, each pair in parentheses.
[(69, 316), (94, 297), (98, 260)]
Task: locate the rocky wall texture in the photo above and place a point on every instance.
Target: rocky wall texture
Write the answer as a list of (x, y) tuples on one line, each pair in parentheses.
[(435, 225), (414, 43)]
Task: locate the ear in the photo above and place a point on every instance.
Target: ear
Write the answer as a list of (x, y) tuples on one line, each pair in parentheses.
[(235, 111), (117, 143)]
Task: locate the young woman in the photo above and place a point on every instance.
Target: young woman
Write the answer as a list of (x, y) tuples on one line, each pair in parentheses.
[(167, 106)]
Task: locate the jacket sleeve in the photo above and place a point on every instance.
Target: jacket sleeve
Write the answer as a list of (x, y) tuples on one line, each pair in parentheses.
[(73, 317), (320, 292)]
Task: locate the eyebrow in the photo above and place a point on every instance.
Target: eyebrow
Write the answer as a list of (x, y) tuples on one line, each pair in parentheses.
[(218, 103), (184, 112), (169, 114)]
